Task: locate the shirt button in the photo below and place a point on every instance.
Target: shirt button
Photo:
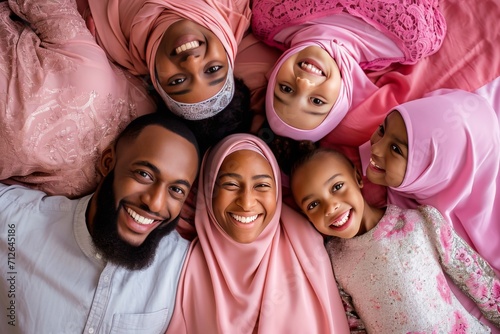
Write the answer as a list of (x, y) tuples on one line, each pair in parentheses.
[(106, 278), (98, 256), (91, 330)]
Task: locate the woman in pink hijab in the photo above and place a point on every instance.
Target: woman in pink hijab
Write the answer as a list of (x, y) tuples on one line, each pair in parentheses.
[(329, 46), (62, 101), (443, 150), (188, 48), (256, 266)]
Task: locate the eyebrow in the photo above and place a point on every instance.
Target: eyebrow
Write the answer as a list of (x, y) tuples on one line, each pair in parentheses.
[(238, 176), (313, 113), (211, 83), (306, 198), (157, 171)]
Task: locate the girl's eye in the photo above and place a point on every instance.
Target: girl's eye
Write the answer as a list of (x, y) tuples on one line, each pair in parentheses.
[(317, 101), (229, 186), (337, 186), (263, 186), (286, 89), (396, 149), (176, 81), (312, 205), (213, 69), (381, 130)]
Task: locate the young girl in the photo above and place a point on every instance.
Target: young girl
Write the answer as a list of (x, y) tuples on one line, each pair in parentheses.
[(329, 45), (443, 150), (391, 261), (256, 266)]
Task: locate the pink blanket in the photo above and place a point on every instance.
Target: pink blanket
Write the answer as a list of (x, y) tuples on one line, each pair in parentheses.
[(62, 102)]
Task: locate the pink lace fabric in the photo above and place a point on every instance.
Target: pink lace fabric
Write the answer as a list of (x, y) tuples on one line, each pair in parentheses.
[(61, 101), (416, 26)]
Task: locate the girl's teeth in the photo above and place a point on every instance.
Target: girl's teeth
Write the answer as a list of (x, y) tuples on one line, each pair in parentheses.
[(244, 220), (342, 221), (187, 46), (311, 68), (374, 164), (138, 218)]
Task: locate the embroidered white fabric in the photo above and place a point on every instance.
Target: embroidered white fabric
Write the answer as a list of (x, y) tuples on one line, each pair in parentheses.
[(204, 109)]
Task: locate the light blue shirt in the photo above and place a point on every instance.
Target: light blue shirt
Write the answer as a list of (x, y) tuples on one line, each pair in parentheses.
[(53, 280)]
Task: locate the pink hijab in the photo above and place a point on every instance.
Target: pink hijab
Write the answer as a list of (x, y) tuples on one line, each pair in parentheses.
[(355, 86), (280, 283), (131, 30), (453, 165)]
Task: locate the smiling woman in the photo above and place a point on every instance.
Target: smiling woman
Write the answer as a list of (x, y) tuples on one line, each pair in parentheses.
[(257, 265), (186, 47)]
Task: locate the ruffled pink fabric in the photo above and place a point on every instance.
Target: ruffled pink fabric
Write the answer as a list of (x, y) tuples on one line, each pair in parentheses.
[(280, 283), (417, 27), (62, 101)]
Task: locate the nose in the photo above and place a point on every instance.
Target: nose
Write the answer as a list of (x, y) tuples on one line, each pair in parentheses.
[(332, 207), (304, 83), (191, 61), (155, 198), (246, 199), (376, 145)]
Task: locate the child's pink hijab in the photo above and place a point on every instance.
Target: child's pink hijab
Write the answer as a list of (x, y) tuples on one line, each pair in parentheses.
[(453, 165), (280, 283), (131, 30)]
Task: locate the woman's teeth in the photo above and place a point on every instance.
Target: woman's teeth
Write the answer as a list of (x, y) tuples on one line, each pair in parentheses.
[(310, 68), (138, 218), (244, 220), (187, 46)]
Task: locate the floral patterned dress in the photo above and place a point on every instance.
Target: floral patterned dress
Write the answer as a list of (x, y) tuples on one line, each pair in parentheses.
[(395, 274)]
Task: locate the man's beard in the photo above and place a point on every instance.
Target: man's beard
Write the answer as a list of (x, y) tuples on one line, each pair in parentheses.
[(107, 240)]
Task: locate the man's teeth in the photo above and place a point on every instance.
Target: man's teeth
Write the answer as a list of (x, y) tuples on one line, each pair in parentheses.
[(187, 46), (341, 222), (311, 68), (244, 220), (138, 218), (374, 164)]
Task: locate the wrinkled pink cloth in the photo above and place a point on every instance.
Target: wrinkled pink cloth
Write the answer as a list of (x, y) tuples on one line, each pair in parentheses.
[(62, 101), (280, 283), (131, 30)]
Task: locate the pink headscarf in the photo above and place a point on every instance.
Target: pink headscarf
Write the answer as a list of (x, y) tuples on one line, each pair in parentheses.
[(282, 282), (355, 86), (453, 165), (131, 30)]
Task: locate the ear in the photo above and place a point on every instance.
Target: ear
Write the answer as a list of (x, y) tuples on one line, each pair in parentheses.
[(359, 179), (107, 162)]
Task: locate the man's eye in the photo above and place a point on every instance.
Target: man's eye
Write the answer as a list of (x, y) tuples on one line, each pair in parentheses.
[(286, 89), (317, 101), (144, 174), (176, 81), (213, 69)]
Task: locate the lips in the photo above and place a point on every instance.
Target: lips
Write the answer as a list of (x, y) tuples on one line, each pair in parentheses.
[(375, 166)]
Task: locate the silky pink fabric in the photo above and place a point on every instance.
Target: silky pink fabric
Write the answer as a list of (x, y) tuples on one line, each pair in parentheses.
[(280, 283), (130, 31), (62, 101)]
